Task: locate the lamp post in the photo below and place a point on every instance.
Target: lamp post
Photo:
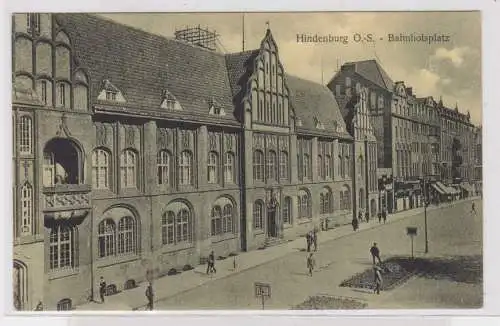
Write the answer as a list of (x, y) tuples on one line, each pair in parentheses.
[(426, 203)]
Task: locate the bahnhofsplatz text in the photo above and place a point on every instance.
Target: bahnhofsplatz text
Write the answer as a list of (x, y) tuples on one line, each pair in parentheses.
[(418, 38), (369, 38)]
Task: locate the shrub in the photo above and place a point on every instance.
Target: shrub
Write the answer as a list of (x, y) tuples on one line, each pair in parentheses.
[(187, 267), (172, 271)]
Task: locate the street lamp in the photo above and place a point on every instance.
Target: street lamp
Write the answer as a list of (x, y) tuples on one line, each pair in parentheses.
[(426, 203)]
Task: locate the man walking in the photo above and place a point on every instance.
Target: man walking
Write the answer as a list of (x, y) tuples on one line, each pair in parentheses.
[(150, 296), (379, 215), (367, 216), (310, 263), (378, 279), (473, 210), (315, 239), (102, 289), (211, 263), (354, 223), (309, 241), (384, 216), (375, 253)]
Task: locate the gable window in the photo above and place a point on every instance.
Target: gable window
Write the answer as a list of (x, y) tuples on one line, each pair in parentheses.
[(229, 167), (186, 168), (100, 169), (271, 165), (163, 161), (258, 165), (213, 165), (110, 96), (128, 169), (26, 135), (26, 209), (62, 249), (283, 165)]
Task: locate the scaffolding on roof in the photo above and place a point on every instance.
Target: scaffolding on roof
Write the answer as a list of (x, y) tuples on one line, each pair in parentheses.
[(198, 36)]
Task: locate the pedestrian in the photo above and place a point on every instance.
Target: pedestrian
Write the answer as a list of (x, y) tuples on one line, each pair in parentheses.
[(354, 224), (315, 239), (384, 216), (310, 264), (308, 240), (473, 211), (211, 263), (39, 306), (377, 279), (379, 217), (367, 216), (375, 252), (102, 289), (360, 216), (150, 295)]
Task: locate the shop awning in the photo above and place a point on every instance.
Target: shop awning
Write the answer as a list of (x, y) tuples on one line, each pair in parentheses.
[(466, 187), (448, 190), (441, 191)]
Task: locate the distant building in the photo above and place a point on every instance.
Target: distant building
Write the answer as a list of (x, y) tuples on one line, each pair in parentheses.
[(135, 154)]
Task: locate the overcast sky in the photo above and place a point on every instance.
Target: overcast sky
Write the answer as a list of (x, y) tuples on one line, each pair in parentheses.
[(451, 70)]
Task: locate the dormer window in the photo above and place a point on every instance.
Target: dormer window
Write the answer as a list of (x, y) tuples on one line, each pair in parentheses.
[(110, 93), (215, 108), (110, 96), (318, 124), (169, 101)]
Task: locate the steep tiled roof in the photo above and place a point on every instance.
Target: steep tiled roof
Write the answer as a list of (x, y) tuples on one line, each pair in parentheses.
[(141, 65), (371, 70), (239, 68), (311, 100)]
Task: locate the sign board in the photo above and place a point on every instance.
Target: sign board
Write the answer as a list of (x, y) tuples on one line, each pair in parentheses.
[(411, 230), (262, 290)]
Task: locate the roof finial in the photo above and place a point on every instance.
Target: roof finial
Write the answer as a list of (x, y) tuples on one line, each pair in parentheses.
[(267, 25), (456, 106)]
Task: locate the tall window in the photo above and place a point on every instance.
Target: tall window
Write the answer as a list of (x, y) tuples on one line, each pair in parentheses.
[(26, 135), (106, 238), (342, 201), (271, 165), (326, 202), (283, 165), (321, 170), (62, 248), (128, 169), (216, 221), (26, 209), (183, 226), (227, 219), (287, 210), (307, 166), (100, 169), (361, 198), (126, 235), (304, 204), (62, 95), (328, 166), (258, 215), (177, 228), (258, 165), (229, 167), (44, 92), (49, 169), (186, 168), (163, 161), (167, 228), (213, 166)]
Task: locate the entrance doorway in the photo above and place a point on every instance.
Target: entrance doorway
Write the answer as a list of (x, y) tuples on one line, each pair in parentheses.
[(272, 231), (20, 287)]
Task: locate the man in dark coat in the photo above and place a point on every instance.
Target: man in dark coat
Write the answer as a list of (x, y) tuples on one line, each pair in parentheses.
[(102, 289), (384, 216), (308, 241), (310, 264), (367, 216), (150, 296), (211, 263), (354, 224), (375, 252), (379, 217), (378, 279)]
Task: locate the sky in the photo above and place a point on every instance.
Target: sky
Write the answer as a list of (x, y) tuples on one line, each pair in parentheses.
[(449, 69)]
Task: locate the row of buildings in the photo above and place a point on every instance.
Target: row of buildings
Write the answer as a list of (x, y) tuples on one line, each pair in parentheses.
[(136, 154)]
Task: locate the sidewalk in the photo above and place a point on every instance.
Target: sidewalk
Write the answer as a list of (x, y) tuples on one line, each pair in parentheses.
[(169, 286)]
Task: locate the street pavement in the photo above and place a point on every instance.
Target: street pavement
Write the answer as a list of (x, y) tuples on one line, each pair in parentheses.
[(341, 254)]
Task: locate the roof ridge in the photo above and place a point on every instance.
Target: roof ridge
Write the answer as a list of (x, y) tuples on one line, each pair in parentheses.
[(140, 30)]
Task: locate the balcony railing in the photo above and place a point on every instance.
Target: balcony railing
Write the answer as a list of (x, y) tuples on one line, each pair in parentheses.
[(68, 196)]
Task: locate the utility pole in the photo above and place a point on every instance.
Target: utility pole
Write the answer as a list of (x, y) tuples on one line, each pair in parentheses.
[(426, 203)]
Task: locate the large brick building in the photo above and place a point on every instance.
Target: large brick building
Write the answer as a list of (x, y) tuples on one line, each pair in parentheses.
[(135, 153)]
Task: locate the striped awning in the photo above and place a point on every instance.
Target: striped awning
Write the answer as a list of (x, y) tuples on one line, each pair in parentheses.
[(441, 191)]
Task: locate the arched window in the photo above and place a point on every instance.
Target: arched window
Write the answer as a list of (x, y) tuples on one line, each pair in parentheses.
[(321, 170), (63, 95), (168, 228), (62, 248), (100, 168), (258, 165), (346, 197), (106, 238), (26, 209), (126, 235), (186, 168), (328, 167), (341, 201), (283, 165), (163, 160), (20, 285), (258, 215), (287, 210), (326, 201), (64, 305), (348, 82), (304, 204), (62, 163), (26, 135), (271, 165), (213, 165), (229, 167), (307, 166), (227, 219), (128, 169), (216, 221)]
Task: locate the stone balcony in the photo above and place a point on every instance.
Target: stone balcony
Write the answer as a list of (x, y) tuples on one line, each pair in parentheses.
[(66, 201)]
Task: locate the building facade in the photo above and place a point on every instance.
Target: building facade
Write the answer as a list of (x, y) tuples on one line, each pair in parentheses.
[(136, 155)]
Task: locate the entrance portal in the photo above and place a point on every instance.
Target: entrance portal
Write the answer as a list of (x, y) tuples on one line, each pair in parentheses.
[(271, 223)]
